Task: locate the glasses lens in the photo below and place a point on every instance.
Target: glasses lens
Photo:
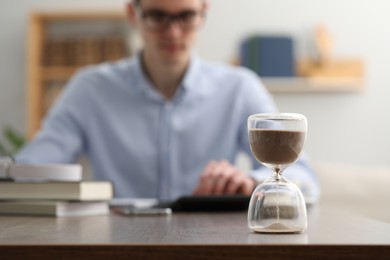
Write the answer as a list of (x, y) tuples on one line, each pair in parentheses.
[(189, 19), (155, 19)]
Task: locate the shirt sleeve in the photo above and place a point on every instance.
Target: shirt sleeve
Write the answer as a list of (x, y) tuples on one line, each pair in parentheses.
[(61, 137), (258, 100)]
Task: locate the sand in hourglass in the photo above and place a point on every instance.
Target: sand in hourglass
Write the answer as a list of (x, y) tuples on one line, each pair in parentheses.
[(276, 147), (276, 228)]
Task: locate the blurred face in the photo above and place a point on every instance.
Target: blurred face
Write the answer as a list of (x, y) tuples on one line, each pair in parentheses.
[(168, 27)]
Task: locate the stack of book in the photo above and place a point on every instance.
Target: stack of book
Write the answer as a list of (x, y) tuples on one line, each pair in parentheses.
[(54, 197)]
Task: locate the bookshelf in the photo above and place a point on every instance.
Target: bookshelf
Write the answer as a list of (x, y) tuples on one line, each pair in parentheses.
[(318, 71), (59, 43), (341, 79)]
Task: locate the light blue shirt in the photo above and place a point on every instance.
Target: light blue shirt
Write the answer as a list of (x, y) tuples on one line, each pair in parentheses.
[(148, 146)]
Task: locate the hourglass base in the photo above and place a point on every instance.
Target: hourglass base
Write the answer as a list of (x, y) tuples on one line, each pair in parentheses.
[(277, 207)]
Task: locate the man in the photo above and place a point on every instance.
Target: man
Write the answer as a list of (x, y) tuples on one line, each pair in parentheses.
[(164, 123)]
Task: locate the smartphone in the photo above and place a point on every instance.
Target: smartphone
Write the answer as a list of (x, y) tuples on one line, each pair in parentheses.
[(145, 211)]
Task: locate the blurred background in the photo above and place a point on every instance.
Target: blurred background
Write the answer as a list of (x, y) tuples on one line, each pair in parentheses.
[(336, 55)]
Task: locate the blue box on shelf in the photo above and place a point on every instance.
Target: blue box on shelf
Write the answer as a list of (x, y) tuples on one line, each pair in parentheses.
[(269, 56)]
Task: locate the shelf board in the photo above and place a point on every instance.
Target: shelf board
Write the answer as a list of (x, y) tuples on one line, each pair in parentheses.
[(58, 73), (312, 85), (72, 15)]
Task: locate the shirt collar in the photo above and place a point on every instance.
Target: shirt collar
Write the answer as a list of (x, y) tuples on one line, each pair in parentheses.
[(188, 82), (143, 83), (192, 74)]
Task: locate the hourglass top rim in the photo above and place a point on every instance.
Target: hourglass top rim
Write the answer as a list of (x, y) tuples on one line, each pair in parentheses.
[(278, 116)]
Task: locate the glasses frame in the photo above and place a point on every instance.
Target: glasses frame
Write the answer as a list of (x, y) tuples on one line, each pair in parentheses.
[(169, 19)]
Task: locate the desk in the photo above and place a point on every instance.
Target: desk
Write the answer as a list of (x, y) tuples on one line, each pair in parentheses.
[(333, 231)]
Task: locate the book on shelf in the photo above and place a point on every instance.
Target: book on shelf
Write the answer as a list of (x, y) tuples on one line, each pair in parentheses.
[(79, 191), (268, 55), (54, 208)]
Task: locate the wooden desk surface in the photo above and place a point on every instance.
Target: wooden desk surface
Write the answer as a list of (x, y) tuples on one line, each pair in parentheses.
[(338, 231)]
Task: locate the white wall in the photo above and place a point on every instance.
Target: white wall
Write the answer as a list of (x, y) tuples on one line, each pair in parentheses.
[(345, 128)]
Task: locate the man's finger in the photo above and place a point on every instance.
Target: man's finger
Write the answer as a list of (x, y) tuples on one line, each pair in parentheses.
[(222, 179), (205, 182), (247, 187), (234, 184)]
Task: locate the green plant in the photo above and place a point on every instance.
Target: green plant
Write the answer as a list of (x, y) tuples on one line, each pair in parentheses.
[(13, 141)]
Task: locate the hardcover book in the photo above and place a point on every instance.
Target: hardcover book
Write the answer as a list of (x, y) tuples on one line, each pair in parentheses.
[(54, 208), (39, 172), (78, 191)]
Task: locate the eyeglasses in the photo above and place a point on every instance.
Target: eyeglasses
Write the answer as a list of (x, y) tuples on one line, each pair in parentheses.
[(157, 20)]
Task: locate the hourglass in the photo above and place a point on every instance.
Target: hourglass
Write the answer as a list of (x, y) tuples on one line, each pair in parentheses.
[(277, 205)]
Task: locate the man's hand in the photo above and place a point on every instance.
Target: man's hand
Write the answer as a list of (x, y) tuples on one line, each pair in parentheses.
[(220, 177)]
